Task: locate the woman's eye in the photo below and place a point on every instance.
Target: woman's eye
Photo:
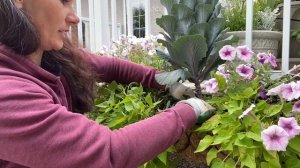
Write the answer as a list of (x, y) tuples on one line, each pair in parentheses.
[(65, 1)]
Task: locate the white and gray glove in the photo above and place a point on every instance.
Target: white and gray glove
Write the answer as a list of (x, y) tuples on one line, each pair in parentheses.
[(179, 90), (202, 109)]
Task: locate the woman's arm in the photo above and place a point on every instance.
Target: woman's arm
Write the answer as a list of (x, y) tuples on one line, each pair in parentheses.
[(122, 71), (36, 131)]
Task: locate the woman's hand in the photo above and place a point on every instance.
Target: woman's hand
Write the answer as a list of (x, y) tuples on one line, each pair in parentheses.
[(179, 91), (202, 109)]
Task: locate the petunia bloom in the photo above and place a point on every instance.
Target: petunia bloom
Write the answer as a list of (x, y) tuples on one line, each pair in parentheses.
[(222, 71), (211, 86), (244, 53), (275, 138), (263, 94), (245, 71), (296, 89), (290, 126), (276, 90), (272, 60), (263, 58), (248, 111), (287, 91), (296, 106), (227, 53)]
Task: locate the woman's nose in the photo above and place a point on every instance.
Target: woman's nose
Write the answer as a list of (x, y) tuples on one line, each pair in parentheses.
[(72, 18)]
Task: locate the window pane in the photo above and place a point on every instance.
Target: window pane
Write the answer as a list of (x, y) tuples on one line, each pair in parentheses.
[(85, 8), (86, 34)]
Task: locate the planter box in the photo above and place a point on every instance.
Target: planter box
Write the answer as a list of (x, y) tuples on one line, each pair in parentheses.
[(263, 40)]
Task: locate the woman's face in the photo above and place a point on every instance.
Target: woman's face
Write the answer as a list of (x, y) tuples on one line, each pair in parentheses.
[(52, 18)]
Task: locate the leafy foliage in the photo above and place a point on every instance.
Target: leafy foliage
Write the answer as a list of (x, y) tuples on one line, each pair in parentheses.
[(264, 14), (234, 135), (118, 105), (193, 36)]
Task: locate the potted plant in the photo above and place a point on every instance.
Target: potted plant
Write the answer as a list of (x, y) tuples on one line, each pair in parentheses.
[(193, 36), (265, 37), (256, 124)]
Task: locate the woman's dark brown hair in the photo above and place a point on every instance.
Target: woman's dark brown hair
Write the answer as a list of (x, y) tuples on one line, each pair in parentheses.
[(18, 33)]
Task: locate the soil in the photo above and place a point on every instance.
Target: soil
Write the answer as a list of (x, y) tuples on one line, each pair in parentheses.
[(185, 155)]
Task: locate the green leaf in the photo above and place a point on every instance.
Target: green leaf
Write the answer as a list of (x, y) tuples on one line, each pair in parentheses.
[(148, 99), (272, 159), (167, 78), (168, 23), (190, 50), (168, 4), (212, 154), (221, 82), (272, 110), (181, 11), (210, 124), (167, 57), (117, 122), (189, 3), (247, 157), (216, 26), (223, 137), (163, 157), (295, 144), (204, 143), (245, 142), (217, 163), (203, 12), (230, 163), (254, 136), (199, 28)]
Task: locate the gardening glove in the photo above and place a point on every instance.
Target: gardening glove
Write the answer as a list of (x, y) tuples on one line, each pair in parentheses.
[(202, 109), (179, 90)]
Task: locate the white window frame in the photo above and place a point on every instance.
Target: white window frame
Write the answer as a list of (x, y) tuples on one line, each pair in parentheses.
[(129, 20), (92, 24)]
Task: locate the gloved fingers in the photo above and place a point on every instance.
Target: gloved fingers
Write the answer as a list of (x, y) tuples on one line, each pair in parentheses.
[(178, 91), (206, 106), (189, 92)]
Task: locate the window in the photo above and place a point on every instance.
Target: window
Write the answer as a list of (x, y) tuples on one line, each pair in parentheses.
[(138, 17), (139, 21), (86, 27)]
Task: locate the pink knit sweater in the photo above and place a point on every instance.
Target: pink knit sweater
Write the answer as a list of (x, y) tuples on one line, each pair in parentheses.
[(37, 129)]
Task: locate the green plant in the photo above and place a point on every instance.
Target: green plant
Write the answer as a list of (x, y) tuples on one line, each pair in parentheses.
[(138, 50), (244, 131), (118, 105), (264, 14), (193, 36)]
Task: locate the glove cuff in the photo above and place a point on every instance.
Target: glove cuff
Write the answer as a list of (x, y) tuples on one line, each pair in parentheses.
[(200, 107)]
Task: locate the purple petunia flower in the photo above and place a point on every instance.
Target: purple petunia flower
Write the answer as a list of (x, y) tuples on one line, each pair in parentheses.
[(211, 86), (263, 58), (296, 89), (272, 60), (276, 90), (244, 71), (227, 53), (296, 106), (263, 94), (275, 138), (290, 126), (222, 71), (248, 111), (244, 53), (287, 91)]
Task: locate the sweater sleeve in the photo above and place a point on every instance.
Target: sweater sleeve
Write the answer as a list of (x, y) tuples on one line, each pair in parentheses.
[(122, 71), (36, 132)]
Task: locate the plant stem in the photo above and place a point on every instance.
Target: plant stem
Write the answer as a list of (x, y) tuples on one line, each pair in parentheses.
[(198, 89)]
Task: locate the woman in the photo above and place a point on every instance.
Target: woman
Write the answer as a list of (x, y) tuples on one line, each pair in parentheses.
[(46, 84)]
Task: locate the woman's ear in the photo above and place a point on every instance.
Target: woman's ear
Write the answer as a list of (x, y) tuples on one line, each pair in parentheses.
[(19, 4)]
